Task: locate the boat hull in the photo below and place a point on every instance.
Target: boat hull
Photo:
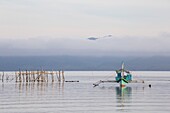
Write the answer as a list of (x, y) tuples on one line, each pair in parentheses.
[(123, 82)]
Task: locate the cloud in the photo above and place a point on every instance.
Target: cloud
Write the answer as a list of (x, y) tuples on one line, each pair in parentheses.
[(95, 38), (165, 35), (108, 45)]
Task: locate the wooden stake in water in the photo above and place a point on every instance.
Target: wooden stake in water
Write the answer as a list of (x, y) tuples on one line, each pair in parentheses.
[(26, 76), (16, 76), (63, 78), (20, 79), (33, 74), (3, 77), (59, 76), (52, 75), (23, 76)]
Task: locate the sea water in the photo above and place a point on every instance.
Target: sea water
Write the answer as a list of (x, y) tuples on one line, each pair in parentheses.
[(82, 97)]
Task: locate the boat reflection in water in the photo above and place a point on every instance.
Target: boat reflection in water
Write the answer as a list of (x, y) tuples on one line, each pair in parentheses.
[(123, 91), (123, 98)]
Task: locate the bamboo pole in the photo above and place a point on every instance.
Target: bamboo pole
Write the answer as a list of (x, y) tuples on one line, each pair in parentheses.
[(52, 75), (43, 76), (63, 78), (59, 76), (20, 79), (23, 77), (26, 76), (38, 76), (33, 77), (47, 76), (3, 77), (29, 76), (16, 76)]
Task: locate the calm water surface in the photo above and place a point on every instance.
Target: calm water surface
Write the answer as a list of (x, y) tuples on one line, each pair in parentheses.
[(82, 97)]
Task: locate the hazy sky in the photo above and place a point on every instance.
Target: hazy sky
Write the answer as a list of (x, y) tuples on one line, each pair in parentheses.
[(62, 27)]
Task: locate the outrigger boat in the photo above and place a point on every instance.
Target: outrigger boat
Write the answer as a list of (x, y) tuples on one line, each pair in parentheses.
[(123, 77)]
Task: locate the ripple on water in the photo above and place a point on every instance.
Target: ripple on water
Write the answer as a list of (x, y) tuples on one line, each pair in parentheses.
[(82, 97)]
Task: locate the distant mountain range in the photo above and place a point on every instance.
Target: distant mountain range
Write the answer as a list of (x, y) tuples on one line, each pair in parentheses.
[(81, 63)]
